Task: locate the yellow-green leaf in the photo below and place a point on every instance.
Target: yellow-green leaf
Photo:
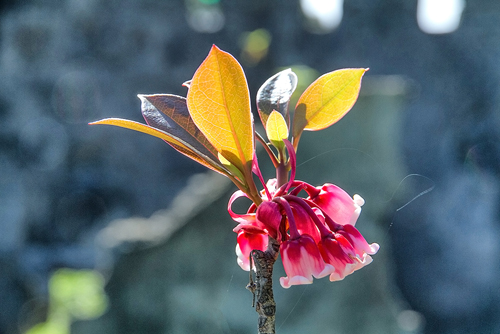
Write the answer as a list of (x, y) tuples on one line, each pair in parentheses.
[(219, 104), (276, 129), (177, 143), (327, 100), (230, 167)]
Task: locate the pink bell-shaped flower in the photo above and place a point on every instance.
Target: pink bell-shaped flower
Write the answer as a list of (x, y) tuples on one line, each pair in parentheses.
[(338, 205), (245, 243), (302, 261), (357, 241), (304, 223), (337, 251)]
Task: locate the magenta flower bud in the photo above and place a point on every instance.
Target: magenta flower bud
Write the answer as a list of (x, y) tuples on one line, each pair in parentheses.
[(269, 215), (302, 261)]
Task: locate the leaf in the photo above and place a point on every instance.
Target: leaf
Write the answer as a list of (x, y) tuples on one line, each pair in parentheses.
[(170, 114), (219, 103), (275, 94), (326, 100), (177, 143), (276, 129), (230, 167)]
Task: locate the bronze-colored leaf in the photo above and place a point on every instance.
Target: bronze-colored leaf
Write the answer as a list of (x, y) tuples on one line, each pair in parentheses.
[(275, 94)]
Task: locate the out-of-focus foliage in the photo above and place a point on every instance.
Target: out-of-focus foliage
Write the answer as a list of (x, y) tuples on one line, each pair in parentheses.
[(74, 295)]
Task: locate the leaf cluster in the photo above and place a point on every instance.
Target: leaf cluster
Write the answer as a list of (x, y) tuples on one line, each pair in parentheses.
[(214, 126)]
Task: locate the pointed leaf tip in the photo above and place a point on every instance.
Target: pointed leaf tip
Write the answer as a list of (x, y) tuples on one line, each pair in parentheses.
[(168, 118), (219, 104), (177, 143), (276, 129), (327, 100)]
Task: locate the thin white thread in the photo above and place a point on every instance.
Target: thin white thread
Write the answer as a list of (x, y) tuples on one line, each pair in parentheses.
[(376, 163), (420, 194), (414, 198), (293, 308), (228, 287)]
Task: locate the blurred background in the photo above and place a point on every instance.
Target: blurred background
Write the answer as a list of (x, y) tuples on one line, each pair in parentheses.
[(104, 230)]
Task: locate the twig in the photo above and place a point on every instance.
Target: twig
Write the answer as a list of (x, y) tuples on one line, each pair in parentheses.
[(262, 288)]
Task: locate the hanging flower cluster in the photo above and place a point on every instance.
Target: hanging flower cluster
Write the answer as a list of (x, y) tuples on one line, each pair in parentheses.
[(316, 234), (214, 126)]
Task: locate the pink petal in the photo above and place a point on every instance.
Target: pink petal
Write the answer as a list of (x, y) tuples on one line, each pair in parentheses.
[(296, 280), (358, 241), (245, 220), (249, 228), (342, 254), (304, 223), (350, 268), (338, 205), (302, 260), (335, 251), (246, 242)]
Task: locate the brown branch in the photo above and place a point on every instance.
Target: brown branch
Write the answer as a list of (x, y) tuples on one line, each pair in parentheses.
[(262, 287)]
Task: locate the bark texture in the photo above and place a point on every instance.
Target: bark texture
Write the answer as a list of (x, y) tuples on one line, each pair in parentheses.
[(262, 287)]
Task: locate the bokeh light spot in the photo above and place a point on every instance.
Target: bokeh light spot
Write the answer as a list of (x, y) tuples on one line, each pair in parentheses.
[(410, 321), (323, 15), (255, 46), (439, 16), (205, 18)]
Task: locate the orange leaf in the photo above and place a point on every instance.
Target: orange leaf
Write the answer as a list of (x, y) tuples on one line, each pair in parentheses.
[(327, 100), (219, 104)]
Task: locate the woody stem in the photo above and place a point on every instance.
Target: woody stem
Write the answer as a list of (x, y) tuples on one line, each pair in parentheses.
[(265, 306)]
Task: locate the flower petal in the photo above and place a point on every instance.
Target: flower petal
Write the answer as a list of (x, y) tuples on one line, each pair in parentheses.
[(302, 260), (341, 253), (246, 242), (335, 251), (338, 205), (358, 241), (350, 268), (304, 223)]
